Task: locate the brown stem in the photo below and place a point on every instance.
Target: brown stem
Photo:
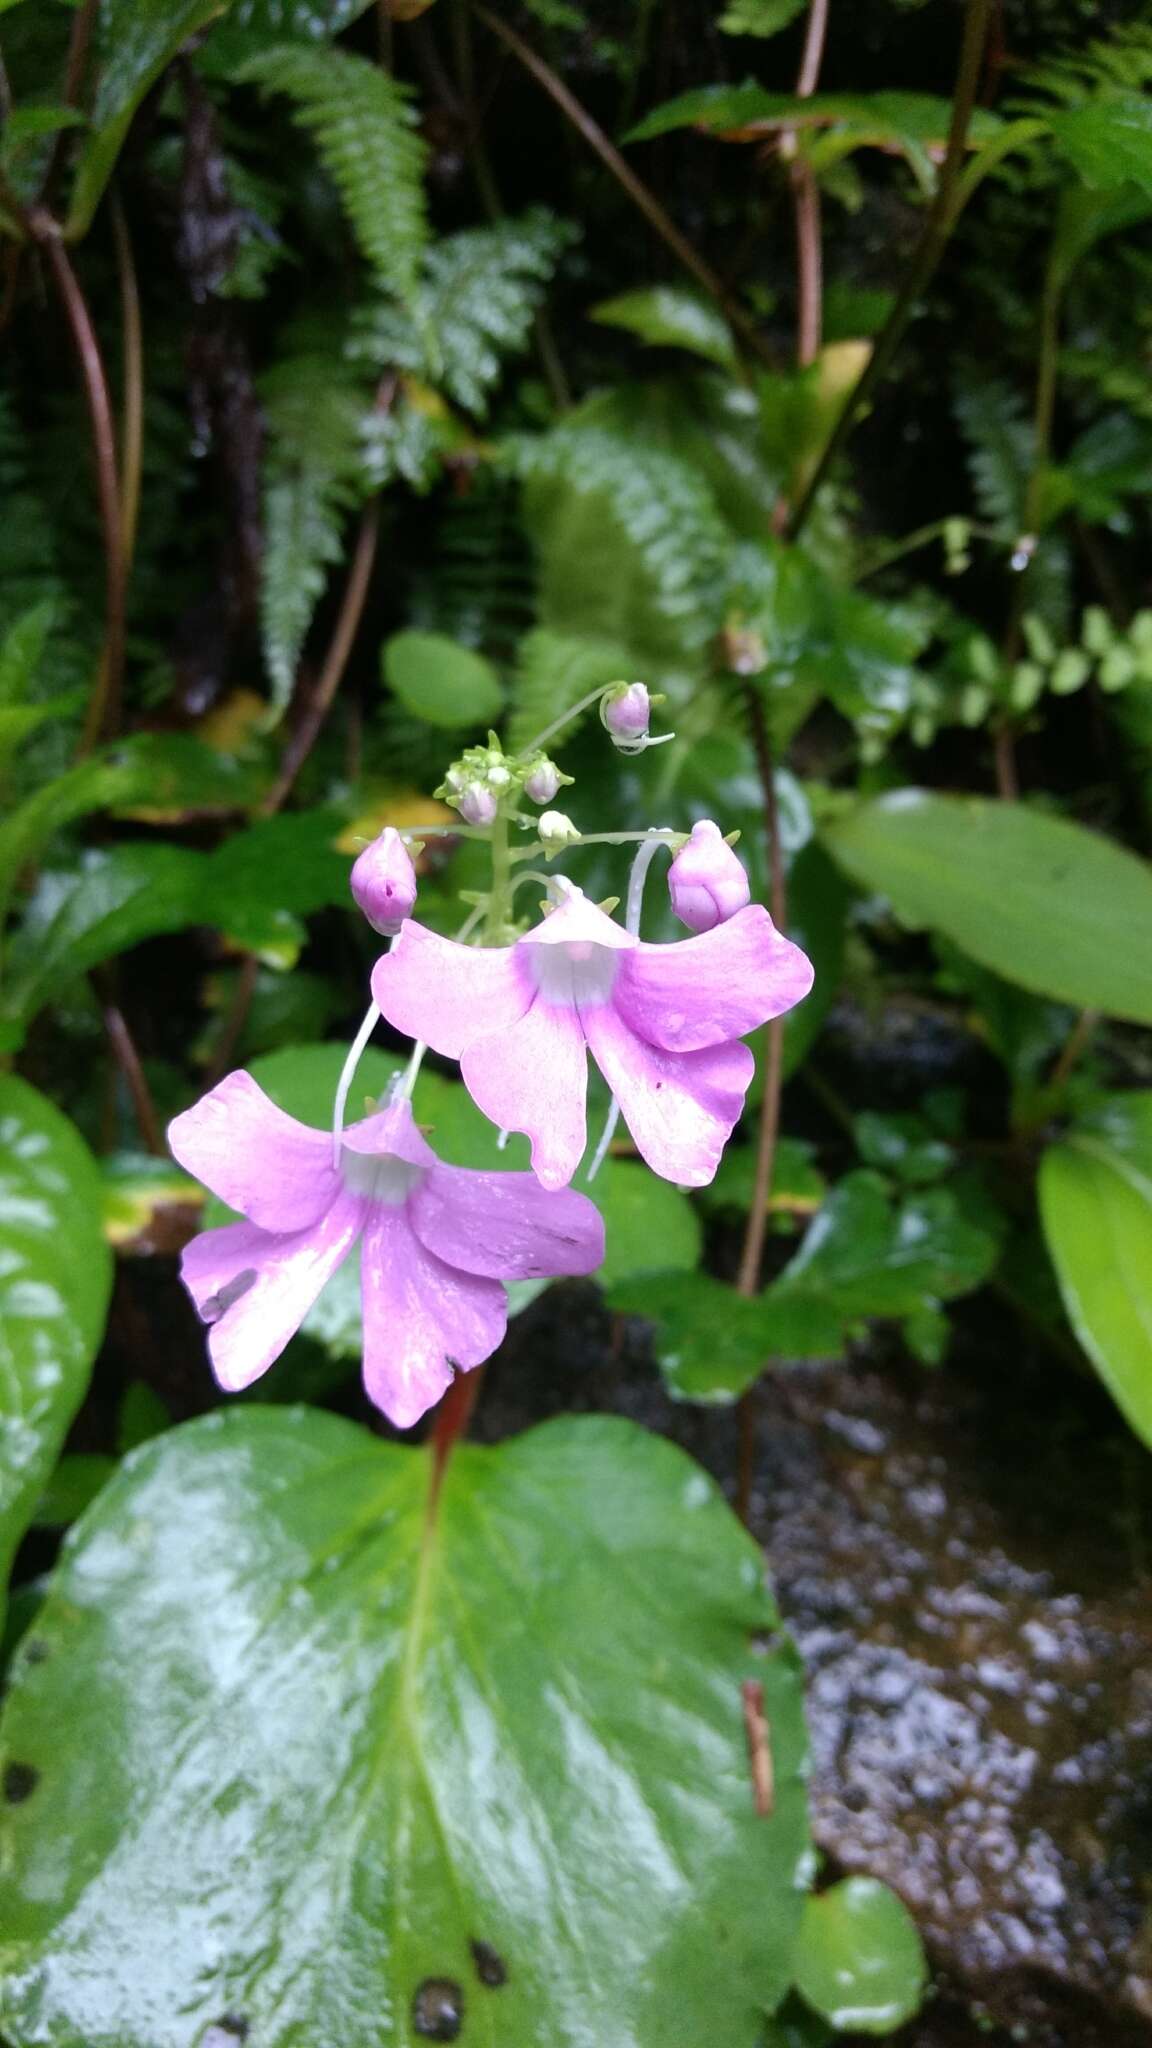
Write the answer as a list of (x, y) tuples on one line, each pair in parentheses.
[(626, 177), (79, 44), (942, 216), (347, 624), (1075, 1045), (132, 421), (128, 1060), (104, 703), (809, 265), (1007, 779), (755, 1230), (237, 1018), (449, 1424)]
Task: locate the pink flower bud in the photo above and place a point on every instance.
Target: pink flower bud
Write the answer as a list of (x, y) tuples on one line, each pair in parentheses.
[(476, 805), (383, 882), (627, 713), (706, 882), (543, 783)]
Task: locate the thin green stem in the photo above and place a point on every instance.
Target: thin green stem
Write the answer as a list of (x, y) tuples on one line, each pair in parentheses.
[(558, 724), (499, 900), (942, 216)]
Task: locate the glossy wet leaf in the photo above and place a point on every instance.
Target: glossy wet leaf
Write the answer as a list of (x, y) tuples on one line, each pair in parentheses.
[(55, 1280), (250, 26), (667, 316), (860, 1961), (138, 39), (710, 1343), (291, 1756), (441, 682), (1045, 903), (1108, 141), (1096, 1205)]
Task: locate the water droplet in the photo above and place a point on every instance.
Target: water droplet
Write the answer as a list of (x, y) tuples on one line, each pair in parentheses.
[(490, 1967), (20, 1781), (35, 1651), (438, 2009)]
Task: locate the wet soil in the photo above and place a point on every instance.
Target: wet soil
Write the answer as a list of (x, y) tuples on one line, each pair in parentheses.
[(965, 1560)]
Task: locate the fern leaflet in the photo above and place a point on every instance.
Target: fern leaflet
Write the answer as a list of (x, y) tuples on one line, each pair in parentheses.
[(365, 130)]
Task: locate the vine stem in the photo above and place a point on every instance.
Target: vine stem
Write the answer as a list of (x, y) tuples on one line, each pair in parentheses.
[(626, 177), (129, 1062), (942, 216), (104, 703), (449, 1424), (132, 420), (768, 1130), (806, 200), (335, 662)]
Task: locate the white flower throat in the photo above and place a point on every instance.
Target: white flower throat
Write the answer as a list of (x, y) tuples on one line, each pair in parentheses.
[(575, 973), (379, 1175)]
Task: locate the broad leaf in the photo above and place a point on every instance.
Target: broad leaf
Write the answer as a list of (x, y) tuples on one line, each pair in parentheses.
[(1096, 1204), (668, 316), (138, 38), (758, 17), (1108, 142), (1045, 903), (441, 682), (710, 1342), (55, 1279), (860, 1962), (250, 26), (297, 1763)]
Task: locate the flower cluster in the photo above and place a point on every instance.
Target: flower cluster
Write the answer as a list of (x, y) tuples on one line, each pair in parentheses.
[(665, 1024)]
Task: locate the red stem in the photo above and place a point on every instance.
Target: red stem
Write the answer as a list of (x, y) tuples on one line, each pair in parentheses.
[(450, 1424), (104, 703)]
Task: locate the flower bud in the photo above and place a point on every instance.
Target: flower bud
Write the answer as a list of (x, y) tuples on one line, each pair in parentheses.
[(706, 882), (476, 804), (383, 882), (556, 831), (544, 781), (626, 712)]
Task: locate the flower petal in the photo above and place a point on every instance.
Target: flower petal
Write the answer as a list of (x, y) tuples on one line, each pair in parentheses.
[(506, 1224), (390, 1131), (578, 921), (255, 1287), (534, 1078), (448, 994), (259, 1160), (679, 1107), (422, 1317), (701, 991)]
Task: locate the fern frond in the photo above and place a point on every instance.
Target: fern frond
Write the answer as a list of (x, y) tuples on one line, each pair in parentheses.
[(994, 422), (1120, 62), (365, 129), (475, 305), (313, 477), (631, 542), (553, 672), (479, 585)]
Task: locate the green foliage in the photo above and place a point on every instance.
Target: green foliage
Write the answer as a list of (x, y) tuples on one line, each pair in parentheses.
[(138, 39), (860, 1962), (314, 475), (441, 682), (553, 672), (437, 1639), (365, 131), (1096, 1203), (55, 1281), (758, 17), (667, 316), (1076, 923), (474, 305)]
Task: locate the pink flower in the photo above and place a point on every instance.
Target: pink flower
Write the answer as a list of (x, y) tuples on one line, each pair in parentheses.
[(437, 1241), (706, 882), (627, 713), (383, 882), (663, 1024)]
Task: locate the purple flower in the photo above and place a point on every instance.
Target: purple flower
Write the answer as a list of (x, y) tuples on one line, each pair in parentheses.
[(706, 882), (627, 712), (437, 1241), (383, 881), (662, 1023)]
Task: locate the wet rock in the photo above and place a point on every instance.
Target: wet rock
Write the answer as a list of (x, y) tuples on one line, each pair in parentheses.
[(963, 1565)]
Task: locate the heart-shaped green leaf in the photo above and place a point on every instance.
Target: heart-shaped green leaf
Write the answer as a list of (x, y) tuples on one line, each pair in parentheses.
[(55, 1279), (860, 1963), (297, 1763), (1096, 1204)]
